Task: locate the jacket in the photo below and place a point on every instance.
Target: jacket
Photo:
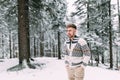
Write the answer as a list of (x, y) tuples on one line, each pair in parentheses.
[(76, 52)]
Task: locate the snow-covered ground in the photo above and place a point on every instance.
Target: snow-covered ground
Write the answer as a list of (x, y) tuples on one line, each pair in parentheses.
[(52, 70)]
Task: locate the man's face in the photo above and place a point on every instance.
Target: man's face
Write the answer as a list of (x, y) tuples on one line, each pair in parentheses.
[(71, 32)]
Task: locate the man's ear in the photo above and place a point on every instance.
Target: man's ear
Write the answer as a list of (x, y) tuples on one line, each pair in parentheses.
[(75, 30)]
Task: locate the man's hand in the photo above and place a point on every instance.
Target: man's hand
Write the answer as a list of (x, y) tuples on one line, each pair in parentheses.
[(67, 66)]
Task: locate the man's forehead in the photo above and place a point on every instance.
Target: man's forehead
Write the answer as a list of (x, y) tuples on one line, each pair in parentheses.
[(70, 28)]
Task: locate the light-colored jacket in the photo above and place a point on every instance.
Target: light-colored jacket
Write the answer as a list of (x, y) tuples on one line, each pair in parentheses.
[(76, 52)]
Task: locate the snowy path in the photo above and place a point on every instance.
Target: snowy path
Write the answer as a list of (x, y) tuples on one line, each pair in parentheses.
[(53, 70)]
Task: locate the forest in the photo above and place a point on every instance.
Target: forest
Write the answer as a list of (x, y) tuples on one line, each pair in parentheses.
[(36, 28)]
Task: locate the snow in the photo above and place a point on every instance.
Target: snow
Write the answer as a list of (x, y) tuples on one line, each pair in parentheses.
[(53, 69), (70, 6)]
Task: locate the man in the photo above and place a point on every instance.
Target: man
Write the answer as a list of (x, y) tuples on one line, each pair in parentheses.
[(77, 54)]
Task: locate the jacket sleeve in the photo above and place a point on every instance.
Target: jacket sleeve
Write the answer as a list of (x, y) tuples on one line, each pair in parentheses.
[(85, 51)]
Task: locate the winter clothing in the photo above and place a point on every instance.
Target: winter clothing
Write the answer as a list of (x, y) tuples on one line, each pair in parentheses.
[(77, 55), (76, 73), (76, 52)]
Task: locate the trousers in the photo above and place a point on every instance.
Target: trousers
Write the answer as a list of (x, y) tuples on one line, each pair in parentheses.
[(76, 73)]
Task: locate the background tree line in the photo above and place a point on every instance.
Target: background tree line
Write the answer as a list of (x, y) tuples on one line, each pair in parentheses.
[(100, 28), (35, 28), (31, 27)]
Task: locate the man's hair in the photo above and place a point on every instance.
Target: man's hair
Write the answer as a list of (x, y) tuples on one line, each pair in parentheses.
[(71, 25)]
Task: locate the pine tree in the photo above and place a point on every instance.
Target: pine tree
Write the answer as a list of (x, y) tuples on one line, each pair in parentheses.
[(23, 31)]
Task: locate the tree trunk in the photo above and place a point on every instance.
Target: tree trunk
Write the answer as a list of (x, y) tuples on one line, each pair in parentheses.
[(117, 56), (23, 31), (59, 47), (102, 34), (88, 25), (3, 47), (41, 44), (13, 49), (118, 15), (10, 44), (102, 58), (110, 36), (35, 47), (38, 47), (98, 55)]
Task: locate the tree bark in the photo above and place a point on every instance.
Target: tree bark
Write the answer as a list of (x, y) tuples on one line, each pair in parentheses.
[(23, 31), (41, 44), (3, 53), (10, 44), (110, 36), (35, 55), (59, 46), (118, 15)]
